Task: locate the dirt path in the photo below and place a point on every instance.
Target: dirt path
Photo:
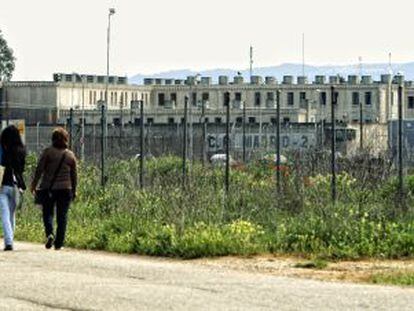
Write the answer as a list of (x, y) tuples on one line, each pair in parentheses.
[(36, 279), (344, 271)]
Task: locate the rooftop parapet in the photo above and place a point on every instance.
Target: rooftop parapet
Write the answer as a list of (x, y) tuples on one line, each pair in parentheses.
[(302, 80), (191, 80), (256, 80), (320, 79), (353, 79), (238, 80), (398, 79), (206, 80), (287, 80), (179, 82), (84, 78), (169, 81), (149, 81), (270, 80), (334, 80), (223, 80), (159, 81), (386, 78), (366, 80)]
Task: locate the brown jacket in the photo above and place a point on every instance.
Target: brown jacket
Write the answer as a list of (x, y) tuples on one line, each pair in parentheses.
[(48, 163)]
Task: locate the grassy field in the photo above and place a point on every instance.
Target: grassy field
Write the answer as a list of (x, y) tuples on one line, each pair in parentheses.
[(163, 219)]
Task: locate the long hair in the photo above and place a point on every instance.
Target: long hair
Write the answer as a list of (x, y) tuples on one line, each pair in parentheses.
[(10, 140), (60, 138)]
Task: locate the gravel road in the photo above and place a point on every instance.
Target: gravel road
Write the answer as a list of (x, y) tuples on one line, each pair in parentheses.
[(33, 278)]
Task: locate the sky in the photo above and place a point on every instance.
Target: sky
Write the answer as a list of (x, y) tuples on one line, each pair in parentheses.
[(151, 36)]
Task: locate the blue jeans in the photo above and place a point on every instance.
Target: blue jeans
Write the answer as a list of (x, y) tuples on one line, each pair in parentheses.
[(8, 208)]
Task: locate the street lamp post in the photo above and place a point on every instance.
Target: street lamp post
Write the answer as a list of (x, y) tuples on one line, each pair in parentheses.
[(105, 104)]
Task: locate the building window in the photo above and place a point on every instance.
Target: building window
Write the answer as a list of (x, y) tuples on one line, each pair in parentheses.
[(368, 98), (252, 120), (194, 98), (273, 120), (239, 120), (238, 97), (117, 121), (226, 98), (161, 99), (217, 120), (257, 99), (170, 120), (270, 96), (173, 97), (336, 98), (410, 102), (205, 96), (302, 97), (322, 98), (355, 98), (286, 120), (290, 99), (137, 121), (150, 121)]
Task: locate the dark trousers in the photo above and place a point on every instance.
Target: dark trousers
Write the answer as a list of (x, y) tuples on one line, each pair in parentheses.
[(61, 200)]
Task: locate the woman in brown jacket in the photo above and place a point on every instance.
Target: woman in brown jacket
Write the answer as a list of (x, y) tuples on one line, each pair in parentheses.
[(57, 170)]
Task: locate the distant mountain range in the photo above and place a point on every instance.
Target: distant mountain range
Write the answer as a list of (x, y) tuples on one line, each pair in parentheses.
[(375, 70)]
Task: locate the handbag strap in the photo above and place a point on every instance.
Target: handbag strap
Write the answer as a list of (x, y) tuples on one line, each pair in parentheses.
[(52, 182)]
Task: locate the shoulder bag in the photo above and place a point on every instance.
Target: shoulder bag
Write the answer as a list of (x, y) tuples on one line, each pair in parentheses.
[(42, 196)]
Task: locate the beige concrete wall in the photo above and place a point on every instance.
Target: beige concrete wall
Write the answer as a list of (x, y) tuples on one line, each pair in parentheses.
[(375, 139)]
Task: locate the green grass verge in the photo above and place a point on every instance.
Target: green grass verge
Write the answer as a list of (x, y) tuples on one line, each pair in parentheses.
[(165, 220), (394, 278)]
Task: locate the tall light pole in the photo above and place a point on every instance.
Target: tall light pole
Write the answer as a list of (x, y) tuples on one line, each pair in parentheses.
[(105, 104), (108, 40)]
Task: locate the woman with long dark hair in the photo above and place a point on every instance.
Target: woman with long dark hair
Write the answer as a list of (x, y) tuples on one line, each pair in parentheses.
[(57, 170), (13, 161)]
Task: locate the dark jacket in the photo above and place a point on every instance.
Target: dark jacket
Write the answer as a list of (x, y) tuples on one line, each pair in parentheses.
[(14, 162), (48, 164)]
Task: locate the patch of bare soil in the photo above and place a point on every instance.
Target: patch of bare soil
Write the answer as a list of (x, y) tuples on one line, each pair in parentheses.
[(352, 271)]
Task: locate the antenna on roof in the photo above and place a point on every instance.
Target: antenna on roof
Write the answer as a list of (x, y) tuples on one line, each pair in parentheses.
[(251, 62), (390, 63), (303, 54)]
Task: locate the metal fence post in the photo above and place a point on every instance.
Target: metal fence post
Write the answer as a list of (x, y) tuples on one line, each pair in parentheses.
[(141, 143), (71, 128), (103, 144), (333, 144), (184, 172), (278, 142), (227, 173), (400, 149), (361, 127), (244, 132), (204, 123)]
